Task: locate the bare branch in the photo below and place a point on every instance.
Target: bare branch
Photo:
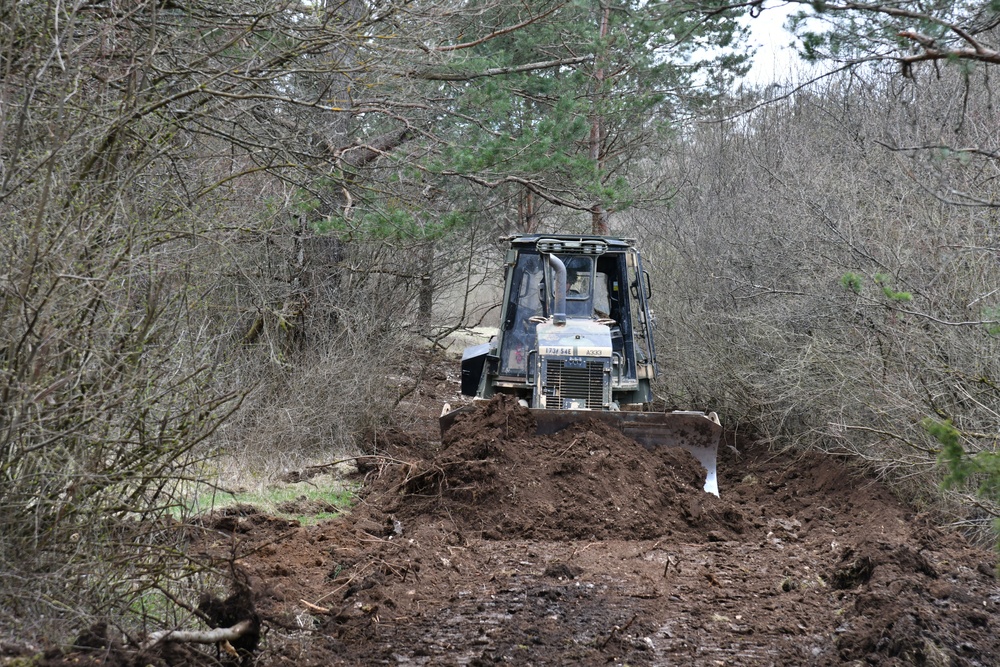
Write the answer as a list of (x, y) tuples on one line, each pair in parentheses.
[(429, 75), (500, 32), (200, 636)]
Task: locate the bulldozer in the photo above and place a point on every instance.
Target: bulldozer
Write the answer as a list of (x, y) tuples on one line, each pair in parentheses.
[(575, 342)]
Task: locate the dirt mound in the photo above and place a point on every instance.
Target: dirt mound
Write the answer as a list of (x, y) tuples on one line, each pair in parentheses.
[(915, 605), (498, 546), (496, 479), (242, 518)]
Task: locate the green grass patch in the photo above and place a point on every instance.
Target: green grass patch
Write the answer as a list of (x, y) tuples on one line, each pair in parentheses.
[(309, 502)]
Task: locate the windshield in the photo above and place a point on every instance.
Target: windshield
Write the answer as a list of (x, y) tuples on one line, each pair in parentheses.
[(579, 276)]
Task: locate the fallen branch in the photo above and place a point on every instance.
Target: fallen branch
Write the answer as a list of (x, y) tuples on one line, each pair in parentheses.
[(615, 630), (200, 636), (314, 607), (575, 440)]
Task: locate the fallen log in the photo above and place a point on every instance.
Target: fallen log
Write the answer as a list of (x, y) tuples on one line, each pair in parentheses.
[(200, 636)]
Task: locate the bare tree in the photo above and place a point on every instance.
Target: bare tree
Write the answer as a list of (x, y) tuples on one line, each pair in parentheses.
[(161, 257), (820, 289)]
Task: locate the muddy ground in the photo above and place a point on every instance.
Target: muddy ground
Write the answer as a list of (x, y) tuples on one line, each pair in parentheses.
[(497, 546)]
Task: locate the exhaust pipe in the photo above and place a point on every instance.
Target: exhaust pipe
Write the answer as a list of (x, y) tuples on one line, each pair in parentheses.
[(559, 307)]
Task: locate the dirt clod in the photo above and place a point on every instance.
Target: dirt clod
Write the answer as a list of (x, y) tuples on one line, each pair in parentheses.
[(854, 570)]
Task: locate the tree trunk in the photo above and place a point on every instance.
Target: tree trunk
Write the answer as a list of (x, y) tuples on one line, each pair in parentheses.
[(527, 212), (426, 299), (599, 214)]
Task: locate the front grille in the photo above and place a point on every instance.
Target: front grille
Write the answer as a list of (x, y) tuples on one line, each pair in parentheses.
[(579, 381)]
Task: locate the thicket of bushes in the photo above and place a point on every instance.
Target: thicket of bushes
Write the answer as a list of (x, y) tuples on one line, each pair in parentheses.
[(827, 281)]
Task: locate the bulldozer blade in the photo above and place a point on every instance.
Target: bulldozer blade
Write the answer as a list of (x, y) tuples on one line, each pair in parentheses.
[(697, 432)]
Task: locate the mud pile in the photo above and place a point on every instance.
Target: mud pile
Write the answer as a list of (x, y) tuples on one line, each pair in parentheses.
[(498, 546), (802, 561), (496, 479)]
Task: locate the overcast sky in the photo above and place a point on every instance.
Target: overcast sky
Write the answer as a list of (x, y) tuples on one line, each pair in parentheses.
[(775, 57)]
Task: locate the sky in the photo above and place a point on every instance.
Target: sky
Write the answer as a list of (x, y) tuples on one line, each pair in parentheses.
[(775, 58)]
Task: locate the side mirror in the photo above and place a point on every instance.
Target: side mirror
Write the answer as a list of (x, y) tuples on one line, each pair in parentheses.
[(647, 290)]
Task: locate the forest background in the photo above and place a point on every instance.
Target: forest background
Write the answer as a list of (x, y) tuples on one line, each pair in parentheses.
[(225, 227)]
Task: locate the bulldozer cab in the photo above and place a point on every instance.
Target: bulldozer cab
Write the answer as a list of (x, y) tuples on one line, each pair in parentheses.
[(604, 282)]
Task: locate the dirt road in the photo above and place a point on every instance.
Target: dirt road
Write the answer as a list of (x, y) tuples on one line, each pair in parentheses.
[(583, 548), (501, 547)]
